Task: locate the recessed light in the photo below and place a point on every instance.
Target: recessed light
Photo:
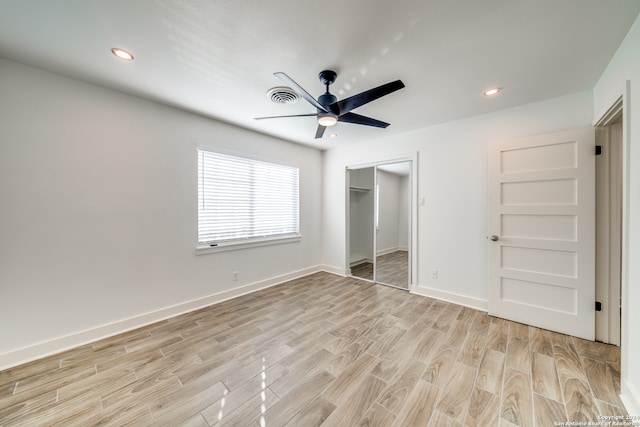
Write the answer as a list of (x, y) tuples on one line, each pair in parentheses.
[(122, 54), (493, 91), (333, 135)]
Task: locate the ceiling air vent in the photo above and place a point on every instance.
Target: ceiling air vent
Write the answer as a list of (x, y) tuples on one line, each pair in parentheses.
[(282, 95)]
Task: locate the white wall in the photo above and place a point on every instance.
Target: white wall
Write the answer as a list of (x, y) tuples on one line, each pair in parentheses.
[(452, 177), (623, 70), (98, 213), (388, 212)]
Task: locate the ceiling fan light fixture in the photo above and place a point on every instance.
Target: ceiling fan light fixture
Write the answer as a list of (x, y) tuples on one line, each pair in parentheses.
[(122, 54), (327, 119)]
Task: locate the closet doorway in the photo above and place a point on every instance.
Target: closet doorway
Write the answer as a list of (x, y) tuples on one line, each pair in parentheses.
[(609, 224), (379, 223)]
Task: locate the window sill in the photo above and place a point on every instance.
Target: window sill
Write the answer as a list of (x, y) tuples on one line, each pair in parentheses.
[(253, 243)]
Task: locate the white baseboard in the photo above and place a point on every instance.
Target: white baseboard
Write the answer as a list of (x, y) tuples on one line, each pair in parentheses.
[(361, 261), (478, 304), (391, 250), (57, 345), (381, 252), (630, 397), (334, 270)]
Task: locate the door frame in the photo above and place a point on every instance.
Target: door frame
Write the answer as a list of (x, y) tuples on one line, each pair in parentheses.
[(610, 246), (413, 209)]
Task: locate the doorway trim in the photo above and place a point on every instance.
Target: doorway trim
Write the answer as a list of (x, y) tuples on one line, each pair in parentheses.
[(413, 208), (609, 217), (628, 393)]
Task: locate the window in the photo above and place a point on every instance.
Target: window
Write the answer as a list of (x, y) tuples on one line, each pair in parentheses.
[(243, 200)]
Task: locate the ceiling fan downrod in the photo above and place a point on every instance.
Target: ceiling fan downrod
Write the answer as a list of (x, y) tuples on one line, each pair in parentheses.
[(327, 77)]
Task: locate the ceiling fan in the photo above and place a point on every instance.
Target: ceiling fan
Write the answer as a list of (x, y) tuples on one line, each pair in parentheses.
[(330, 110)]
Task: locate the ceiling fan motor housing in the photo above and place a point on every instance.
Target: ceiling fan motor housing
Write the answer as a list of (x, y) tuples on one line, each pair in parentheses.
[(327, 99)]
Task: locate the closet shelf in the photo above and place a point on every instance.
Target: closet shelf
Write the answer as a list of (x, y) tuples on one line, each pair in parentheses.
[(360, 189)]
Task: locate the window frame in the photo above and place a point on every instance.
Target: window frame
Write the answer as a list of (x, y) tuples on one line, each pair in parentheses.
[(228, 245)]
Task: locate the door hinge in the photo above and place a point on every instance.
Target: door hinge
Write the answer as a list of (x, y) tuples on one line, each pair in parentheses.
[(598, 150), (598, 306)]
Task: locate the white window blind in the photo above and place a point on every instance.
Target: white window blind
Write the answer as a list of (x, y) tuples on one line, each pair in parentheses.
[(242, 199)]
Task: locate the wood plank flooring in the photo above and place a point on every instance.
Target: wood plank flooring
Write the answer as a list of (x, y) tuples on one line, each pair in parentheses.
[(321, 350), (391, 269), (364, 270)]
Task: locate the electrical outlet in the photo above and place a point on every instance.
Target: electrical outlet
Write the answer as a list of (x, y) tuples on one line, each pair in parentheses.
[(434, 273), (235, 276)]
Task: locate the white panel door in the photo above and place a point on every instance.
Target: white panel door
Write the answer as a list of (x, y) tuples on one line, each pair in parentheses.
[(542, 232)]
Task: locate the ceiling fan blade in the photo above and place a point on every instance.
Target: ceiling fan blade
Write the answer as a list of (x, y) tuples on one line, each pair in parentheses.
[(344, 106), (320, 131), (362, 120), (299, 90), (282, 117)]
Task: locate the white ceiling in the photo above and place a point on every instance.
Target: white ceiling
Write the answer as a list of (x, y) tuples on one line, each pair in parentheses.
[(217, 57)]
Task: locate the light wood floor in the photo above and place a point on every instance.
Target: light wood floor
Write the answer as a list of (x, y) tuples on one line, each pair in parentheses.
[(321, 350), (364, 270), (391, 269)]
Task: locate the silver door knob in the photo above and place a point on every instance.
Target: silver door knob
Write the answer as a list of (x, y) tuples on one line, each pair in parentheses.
[(494, 238)]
